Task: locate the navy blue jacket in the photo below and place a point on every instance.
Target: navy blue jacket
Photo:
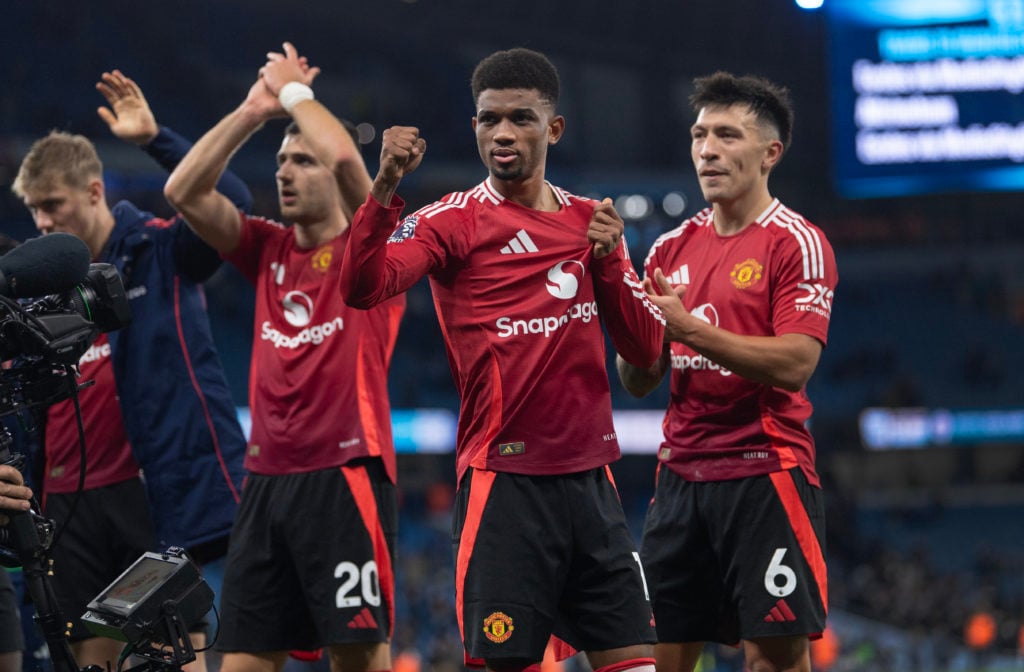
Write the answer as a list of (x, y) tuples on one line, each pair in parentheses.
[(176, 404)]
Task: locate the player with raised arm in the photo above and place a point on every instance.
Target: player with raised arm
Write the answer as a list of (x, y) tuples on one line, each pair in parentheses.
[(310, 562), (523, 273)]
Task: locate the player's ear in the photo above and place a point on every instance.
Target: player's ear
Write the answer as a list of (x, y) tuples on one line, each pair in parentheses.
[(555, 128), (772, 155), (95, 189)]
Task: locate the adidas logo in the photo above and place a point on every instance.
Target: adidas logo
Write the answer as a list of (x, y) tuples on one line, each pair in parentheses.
[(681, 276), (363, 621), (780, 613), (521, 244)]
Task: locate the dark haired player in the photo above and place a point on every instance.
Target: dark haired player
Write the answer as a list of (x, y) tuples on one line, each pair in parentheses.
[(310, 562), (734, 540), (523, 273)]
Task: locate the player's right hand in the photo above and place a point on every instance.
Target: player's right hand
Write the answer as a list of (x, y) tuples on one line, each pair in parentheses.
[(401, 151)]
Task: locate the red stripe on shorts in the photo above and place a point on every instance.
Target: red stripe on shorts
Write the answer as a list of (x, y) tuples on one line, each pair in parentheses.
[(362, 492), (801, 525), (480, 490)]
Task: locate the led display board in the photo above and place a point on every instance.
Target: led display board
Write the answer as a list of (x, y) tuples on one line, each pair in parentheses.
[(926, 96), (888, 428)]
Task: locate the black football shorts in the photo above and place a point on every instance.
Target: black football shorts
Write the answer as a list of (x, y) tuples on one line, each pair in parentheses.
[(543, 555)]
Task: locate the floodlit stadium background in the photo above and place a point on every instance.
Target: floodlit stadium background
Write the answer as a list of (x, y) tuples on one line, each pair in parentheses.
[(920, 395)]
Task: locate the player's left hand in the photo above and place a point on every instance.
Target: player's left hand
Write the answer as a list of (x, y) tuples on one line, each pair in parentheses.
[(282, 68), (605, 229), (669, 300), (128, 116)]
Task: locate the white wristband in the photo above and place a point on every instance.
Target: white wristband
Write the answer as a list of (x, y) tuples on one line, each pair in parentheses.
[(292, 94)]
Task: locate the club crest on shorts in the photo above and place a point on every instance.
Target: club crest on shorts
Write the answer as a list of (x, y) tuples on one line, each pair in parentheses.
[(498, 627)]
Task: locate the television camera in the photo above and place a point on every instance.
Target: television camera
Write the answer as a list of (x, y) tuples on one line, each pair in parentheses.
[(44, 338), (151, 604)]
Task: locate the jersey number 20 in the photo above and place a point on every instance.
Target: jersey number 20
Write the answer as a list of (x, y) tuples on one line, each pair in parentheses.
[(351, 576)]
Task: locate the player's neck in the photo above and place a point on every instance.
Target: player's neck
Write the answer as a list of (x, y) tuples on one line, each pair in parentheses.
[(532, 192), (731, 217), (314, 234), (101, 231)]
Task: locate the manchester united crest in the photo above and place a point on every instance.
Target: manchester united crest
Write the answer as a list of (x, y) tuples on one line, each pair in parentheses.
[(746, 273), (498, 627), (322, 258)]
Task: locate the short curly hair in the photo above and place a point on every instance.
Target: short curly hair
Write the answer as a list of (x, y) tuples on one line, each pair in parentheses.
[(518, 68)]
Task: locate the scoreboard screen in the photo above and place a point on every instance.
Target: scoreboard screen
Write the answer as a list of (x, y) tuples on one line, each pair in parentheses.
[(926, 96)]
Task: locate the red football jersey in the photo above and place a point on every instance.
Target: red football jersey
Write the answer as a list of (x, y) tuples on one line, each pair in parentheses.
[(775, 277), (108, 455), (520, 299), (318, 390)]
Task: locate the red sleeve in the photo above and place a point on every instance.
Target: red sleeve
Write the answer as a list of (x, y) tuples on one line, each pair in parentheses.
[(367, 278), (653, 261), (806, 279), (635, 325), (382, 260)]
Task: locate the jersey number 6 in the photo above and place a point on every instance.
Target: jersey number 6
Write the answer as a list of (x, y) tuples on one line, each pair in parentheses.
[(775, 570)]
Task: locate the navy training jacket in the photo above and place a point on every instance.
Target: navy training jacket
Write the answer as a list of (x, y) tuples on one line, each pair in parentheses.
[(177, 407)]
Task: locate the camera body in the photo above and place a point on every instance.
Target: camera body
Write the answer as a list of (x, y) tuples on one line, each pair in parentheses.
[(46, 336), (61, 327)]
